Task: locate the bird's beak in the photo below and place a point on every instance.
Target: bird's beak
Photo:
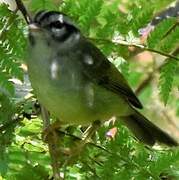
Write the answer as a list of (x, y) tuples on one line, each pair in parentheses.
[(34, 27)]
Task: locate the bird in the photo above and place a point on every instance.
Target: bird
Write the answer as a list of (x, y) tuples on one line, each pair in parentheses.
[(76, 82)]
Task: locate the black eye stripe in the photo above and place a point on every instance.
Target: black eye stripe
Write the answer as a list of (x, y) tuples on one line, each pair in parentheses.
[(70, 29), (56, 24)]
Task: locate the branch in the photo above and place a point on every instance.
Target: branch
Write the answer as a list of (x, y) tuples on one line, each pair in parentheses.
[(52, 140), (144, 83), (171, 29), (80, 139), (21, 7), (157, 51), (147, 80), (138, 46)]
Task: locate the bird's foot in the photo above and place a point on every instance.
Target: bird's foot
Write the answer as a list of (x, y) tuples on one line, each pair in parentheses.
[(51, 130), (79, 146)]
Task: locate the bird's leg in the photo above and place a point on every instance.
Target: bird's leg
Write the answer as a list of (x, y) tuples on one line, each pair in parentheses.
[(78, 148), (90, 132), (51, 129)]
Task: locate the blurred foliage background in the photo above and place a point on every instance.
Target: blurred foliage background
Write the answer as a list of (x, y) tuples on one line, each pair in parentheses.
[(146, 51)]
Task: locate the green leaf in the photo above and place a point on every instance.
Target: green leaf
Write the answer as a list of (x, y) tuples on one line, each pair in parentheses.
[(170, 42), (163, 161), (166, 79), (160, 30), (140, 16), (42, 4)]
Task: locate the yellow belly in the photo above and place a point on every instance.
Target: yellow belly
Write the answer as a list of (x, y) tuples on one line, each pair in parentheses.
[(82, 106), (61, 87)]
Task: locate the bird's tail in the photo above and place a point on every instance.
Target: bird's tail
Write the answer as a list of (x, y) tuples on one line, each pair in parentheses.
[(146, 131)]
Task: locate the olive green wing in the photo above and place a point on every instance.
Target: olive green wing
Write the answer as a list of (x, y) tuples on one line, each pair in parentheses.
[(99, 69)]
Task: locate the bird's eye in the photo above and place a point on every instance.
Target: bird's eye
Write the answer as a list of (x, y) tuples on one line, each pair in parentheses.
[(56, 24)]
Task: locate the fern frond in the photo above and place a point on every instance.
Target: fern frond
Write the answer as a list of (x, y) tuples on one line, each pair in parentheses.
[(92, 10), (160, 30), (84, 12), (171, 41), (141, 15), (163, 161), (12, 47), (6, 87), (42, 4), (166, 79)]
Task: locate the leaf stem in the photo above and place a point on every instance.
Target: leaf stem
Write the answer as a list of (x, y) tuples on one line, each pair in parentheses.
[(139, 46)]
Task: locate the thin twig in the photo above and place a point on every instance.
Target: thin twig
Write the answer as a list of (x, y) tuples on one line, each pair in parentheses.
[(21, 7), (97, 162), (52, 140), (158, 52), (138, 46), (147, 80), (171, 29), (80, 139), (144, 83)]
